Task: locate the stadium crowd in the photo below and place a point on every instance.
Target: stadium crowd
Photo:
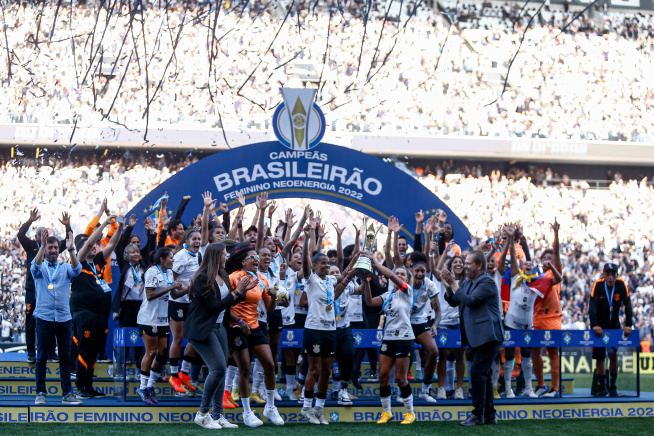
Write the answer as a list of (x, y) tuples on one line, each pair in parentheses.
[(386, 85), (598, 225)]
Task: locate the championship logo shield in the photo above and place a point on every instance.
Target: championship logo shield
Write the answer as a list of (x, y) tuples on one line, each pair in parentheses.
[(298, 123), (290, 335), (380, 335), (507, 335), (586, 335), (548, 335)]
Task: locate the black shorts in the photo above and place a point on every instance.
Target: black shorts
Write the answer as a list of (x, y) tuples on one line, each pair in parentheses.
[(275, 322), (240, 341), (300, 319), (397, 349), (319, 343), (264, 327), (178, 311), (419, 329), (599, 353), (161, 331)]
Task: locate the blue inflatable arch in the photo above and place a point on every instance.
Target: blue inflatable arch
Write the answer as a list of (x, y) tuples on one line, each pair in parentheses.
[(326, 172)]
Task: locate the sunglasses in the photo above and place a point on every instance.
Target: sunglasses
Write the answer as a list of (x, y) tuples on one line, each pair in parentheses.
[(253, 257)]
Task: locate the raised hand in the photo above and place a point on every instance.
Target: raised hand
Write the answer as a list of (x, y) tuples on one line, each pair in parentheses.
[(322, 231), (186, 197), (43, 237), (318, 218), (420, 217), (148, 224), (446, 276), (165, 219), (307, 230), (70, 241), (65, 219), (224, 208), (262, 201), (394, 225), (473, 243), (164, 201), (132, 220), (442, 216), (34, 215), (510, 229), (313, 222), (339, 231), (307, 211), (272, 207), (290, 222), (241, 199), (208, 201), (103, 207), (555, 226)]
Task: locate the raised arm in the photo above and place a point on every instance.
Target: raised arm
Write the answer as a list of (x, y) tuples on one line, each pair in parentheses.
[(501, 266), (70, 246), (306, 264), (94, 238), (209, 205), (396, 227), (43, 237), (261, 203), (111, 246), (288, 245), (339, 246), (387, 249), (557, 275), (370, 300), (26, 242), (510, 231), (555, 246), (417, 240)]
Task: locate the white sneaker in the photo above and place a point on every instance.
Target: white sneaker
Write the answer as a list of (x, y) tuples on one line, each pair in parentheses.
[(529, 393), (541, 390), (224, 423), (277, 396), (458, 394), (426, 397), (308, 414), (251, 420), (344, 398), (319, 413), (290, 393), (40, 398), (442, 394), (273, 415), (206, 421), (509, 394)]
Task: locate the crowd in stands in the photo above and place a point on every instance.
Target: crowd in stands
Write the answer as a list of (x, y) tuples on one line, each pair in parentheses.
[(597, 225), (419, 76)]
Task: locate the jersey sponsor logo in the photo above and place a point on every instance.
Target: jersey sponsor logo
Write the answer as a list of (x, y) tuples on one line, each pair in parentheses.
[(87, 334), (316, 348)]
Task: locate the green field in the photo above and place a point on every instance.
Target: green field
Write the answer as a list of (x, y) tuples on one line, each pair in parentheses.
[(578, 427)]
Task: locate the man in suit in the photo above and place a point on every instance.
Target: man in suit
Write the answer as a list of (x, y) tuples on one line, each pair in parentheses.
[(481, 329)]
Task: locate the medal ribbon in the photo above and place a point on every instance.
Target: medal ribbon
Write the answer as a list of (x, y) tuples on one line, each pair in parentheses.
[(606, 289), (136, 275), (330, 291), (417, 294), (165, 276), (54, 275)]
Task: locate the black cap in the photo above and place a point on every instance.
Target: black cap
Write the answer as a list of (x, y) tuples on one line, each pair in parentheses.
[(608, 267)]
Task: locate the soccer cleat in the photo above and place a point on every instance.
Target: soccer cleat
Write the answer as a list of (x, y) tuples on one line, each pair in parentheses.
[(40, 398), (344, 398), (308, 414), (496, 393), (424, 396), (551, 394), (256, 398), (509, 394), (251, 420), (226, 403), (458, 394), (176, 383), (529, 393), (410, 377), (541, 390), (186, 381), (229, 397), (272, 414), (409, 418), (206, 421), (145, 395), (224, 423), (385, 417), (442, 394), (31, 358), (153, 397), (198, 390), (70, 399), (236, 396), (319, 413)]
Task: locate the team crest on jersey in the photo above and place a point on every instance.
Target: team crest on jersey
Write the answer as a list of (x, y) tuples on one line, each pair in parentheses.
[(384, 347), (507, 335), (180, 313), (133, 337), (380, 335), (606, 338), (527, 338), (333, 416), (358, 337), (316, 348), (290, 335), (87, 334), (154, 329), (567, 337), (238, 342), (548, 335), (586, 335), (442, 338)]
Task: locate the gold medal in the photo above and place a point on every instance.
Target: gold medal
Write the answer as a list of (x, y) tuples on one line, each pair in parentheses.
[(328, 307), (51, 286), (297, 292), (359, 301), (338, 318)]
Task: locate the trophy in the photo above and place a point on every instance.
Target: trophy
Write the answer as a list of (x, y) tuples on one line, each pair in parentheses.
[(364, 265)]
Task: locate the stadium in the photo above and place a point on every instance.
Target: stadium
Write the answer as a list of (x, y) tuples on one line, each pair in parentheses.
[(406, 136)]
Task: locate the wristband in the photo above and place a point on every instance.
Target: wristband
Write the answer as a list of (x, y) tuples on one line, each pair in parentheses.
[(239, 322), (432, 255), (347, 278), (239, 225)]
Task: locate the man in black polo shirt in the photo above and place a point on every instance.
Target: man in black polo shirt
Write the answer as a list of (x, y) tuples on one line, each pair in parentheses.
[(31, 248), (87, 303)]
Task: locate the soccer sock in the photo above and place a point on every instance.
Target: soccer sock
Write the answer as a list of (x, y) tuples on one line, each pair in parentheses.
[(385, 396), (418, 360), (308, 399), (320, 402), (408, 403), (426, 388), (602, 380), (270, 398), (336, 385), (449, 376), (527, 371), (229, 378), (186, 366), (174, 366), (154, 376), (246, 404), (301, 379), (257, 375), (508, 368), (290, 382), (495, 375), (145, 376), (195, 374)]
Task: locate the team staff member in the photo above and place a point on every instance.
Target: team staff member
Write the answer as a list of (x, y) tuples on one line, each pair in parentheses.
[(53, 319), (245, 333), (397, 344), (547, 316), (31, 247), (609, 294), (211, 297), (481, 329), (90, 295)]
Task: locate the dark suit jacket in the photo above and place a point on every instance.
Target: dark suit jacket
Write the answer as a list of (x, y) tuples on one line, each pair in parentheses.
[(481, 320), (206, 305)]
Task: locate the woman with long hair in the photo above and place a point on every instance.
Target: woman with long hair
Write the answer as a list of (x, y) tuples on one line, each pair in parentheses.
[(211, 297)]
